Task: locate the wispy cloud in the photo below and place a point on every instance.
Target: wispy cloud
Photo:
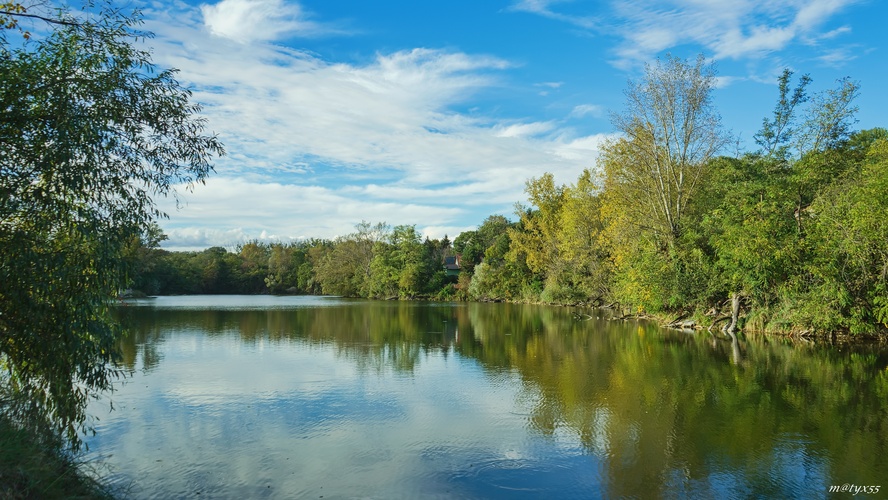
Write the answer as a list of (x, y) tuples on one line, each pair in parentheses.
[(584, 110), (317, 146), (839, 57), (728, 29), (829, 35), (545, 8), (524, 129), (548, 86), (725, 81)]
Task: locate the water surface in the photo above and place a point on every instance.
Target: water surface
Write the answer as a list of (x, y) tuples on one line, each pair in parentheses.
[(310, 397)]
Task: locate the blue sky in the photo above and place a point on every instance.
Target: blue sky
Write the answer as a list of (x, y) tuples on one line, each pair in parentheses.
[(436, 113)]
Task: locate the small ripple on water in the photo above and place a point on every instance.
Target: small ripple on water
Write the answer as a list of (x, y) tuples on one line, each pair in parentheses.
[(505, 477)]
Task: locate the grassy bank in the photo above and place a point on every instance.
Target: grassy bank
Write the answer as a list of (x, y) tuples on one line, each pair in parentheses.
[(34, 466)]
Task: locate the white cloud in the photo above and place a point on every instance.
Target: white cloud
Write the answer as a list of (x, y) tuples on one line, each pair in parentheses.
[(316, 146), (547, 86), (584, 110), (725, 81), (583, 149), (524, 129), (227, 211), (759, 40), (438, 232), (812, 14), (199, 238), (257, 20), (835, 33)]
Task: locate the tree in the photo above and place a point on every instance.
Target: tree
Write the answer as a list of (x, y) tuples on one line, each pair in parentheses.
[(284, 262), (399, 266), (473, 245), (759, 231), (845, 281), (653, 177), (537, 236), (346, 268), (671, 130), (91, 133), (753, 231), (253, 270), (825, 124), (584, 268), (558, 236), (143, 255), (776, 135)]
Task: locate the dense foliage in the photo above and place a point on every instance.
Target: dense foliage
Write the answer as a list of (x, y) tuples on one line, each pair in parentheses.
[(376, 261), (790, 237), (90, 133)]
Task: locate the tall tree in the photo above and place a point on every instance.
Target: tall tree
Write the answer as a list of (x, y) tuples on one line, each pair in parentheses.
[(537, 236), (399, 266), (253, 268), (671, 130), (143, 254), (777, 133), (346, 269), (794, 130), (91, 133), (473, 245)]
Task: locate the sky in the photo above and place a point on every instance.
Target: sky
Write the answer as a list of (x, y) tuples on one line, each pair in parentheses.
[(435, 114)]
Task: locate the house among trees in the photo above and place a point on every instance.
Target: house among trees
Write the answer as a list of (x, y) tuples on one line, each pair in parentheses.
[(451, 265)]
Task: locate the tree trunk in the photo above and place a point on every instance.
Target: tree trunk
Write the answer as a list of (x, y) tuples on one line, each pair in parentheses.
[(736, 356), (731, 328)]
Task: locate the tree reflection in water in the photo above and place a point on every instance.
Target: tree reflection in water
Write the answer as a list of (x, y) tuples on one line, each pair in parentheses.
[(667, 412)]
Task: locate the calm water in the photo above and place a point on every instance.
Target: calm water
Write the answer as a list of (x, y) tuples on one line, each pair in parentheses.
[(310, 397)]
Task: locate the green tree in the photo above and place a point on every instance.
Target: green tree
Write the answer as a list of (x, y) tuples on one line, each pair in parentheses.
[(487, 273), (537, 236), (284, 263), (400, 266), (671, 130), (653, 178), (777, 133), (845, 283), (558, 239), (503, 274), (473, 245), (178, 273), (346, 268), (584, 271), (753, 232), (760, 228), (253, 267), (91, 133), (143, 255)]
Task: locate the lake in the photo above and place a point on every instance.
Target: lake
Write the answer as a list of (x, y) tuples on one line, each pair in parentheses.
[(322, 397)]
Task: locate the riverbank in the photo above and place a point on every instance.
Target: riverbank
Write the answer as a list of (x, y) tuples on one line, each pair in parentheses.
[(715, 326), (35, 466), (751, 322)]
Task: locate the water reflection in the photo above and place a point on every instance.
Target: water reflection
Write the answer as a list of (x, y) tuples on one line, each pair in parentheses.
[(398, 399)]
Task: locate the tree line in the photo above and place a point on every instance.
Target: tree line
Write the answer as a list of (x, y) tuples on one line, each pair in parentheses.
[(789, 237), (377, 261)]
